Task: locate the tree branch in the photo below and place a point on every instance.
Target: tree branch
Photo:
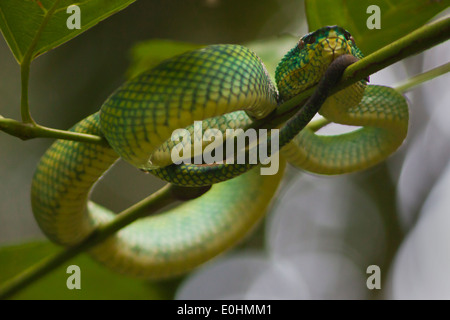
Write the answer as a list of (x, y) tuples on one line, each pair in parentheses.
[(26, 131)]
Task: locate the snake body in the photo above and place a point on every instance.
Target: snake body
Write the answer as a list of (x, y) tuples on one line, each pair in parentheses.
[(228, 87)]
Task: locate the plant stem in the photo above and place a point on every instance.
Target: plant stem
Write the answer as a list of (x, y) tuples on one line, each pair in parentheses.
[(25, 67), (24, 108), (27, 131), (423, 77), (315, 125)]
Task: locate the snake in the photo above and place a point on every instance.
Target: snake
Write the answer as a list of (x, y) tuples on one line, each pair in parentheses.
[(224, 86)]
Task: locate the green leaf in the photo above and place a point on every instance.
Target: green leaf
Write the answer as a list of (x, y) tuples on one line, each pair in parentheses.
[(147, 54), (33, 27), (398, 18), (97, 282)]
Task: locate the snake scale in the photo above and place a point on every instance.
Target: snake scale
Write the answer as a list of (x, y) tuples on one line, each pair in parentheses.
[(228, 87)]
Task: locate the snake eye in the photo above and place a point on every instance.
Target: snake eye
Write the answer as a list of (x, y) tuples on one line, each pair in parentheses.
[(301, 44), (310, 39), (349, 37)]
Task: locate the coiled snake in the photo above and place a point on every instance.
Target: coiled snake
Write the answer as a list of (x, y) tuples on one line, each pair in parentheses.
[(228, 87)]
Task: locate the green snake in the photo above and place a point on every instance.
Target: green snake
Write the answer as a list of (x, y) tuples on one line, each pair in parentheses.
[(227, 86)]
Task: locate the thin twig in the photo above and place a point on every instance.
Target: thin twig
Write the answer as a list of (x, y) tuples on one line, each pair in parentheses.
[(423, 77), (29, 131), (25, 66)]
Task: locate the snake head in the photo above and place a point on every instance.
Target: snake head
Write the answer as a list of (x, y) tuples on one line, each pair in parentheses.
[(303, 66)]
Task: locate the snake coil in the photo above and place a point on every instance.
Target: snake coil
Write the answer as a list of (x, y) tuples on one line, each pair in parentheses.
[(227, 86)]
